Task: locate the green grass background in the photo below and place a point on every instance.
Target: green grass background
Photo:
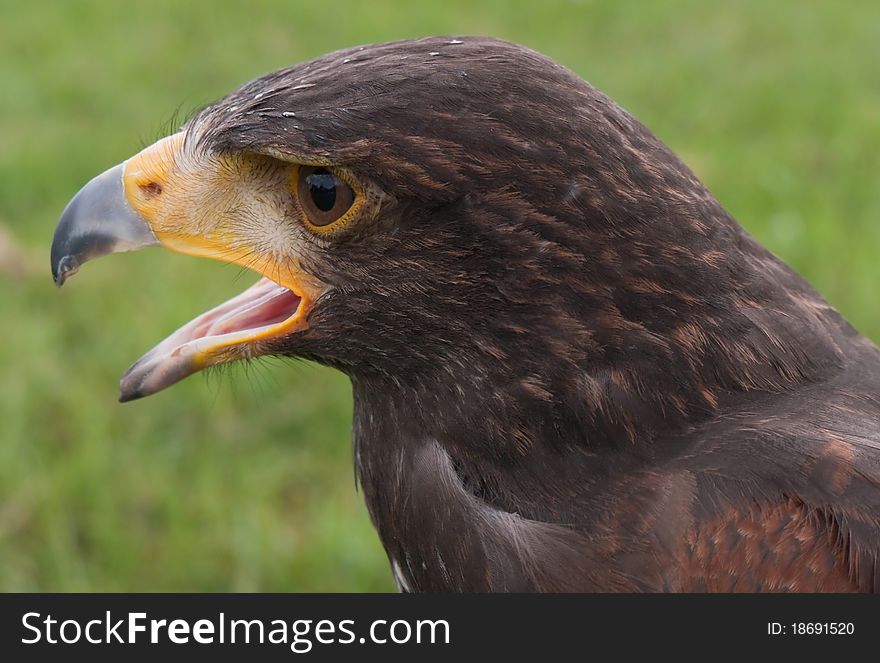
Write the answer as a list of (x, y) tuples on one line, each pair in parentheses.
[(244, 481)]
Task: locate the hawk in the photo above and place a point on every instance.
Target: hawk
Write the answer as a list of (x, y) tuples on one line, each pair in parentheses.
[(572, 369)]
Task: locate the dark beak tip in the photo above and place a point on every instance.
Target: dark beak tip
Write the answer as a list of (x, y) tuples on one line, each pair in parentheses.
[(63, 269), (98, 220), (130, 390), (126, 397), (131, 387)]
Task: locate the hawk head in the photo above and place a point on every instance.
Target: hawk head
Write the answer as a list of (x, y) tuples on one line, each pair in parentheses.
[(465, 217)]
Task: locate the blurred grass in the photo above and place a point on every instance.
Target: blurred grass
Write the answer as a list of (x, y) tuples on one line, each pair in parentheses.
[(244, 482)]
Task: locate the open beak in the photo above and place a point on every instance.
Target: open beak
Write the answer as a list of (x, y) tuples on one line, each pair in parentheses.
[(126, 208)]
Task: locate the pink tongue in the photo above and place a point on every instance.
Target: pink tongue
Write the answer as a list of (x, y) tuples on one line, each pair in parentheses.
[(240, 319), (265, 303), (269, 309)]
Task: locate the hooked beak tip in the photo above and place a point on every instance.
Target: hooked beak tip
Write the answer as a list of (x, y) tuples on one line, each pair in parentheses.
[(97, 221), (128, 396), (64, 268)]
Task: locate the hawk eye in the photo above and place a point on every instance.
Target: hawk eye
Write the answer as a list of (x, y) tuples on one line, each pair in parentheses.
[(324, 196)]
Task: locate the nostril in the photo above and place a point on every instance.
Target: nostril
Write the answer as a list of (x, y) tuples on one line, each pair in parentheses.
[(151, 189)]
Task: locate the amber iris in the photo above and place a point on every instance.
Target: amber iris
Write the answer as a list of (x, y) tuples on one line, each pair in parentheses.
[(324, 196)]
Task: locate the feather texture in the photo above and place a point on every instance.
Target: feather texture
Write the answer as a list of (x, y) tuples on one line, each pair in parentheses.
[(572, 369)]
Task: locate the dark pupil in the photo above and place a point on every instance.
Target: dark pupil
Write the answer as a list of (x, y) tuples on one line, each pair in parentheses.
[(322, 188)]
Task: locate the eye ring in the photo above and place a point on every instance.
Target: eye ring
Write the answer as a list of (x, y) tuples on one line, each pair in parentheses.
[(327, 199)]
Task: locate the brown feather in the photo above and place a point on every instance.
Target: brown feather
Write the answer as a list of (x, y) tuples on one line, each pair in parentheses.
[(572, 369)]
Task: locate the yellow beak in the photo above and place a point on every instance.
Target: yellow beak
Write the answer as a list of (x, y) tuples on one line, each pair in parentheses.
[(147, 201)]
